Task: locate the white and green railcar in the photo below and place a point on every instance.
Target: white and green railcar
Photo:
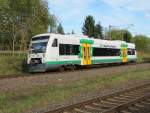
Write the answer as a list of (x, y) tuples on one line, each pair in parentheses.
[(55, 51)]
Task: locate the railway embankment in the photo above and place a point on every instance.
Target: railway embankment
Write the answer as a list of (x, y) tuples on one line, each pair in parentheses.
[(14, 65), (40, 93)]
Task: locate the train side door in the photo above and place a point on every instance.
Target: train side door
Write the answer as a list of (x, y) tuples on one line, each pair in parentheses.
[(124, 55), (86, 54)]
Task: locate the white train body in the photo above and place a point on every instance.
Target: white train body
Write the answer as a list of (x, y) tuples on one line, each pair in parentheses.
[(51, 51)]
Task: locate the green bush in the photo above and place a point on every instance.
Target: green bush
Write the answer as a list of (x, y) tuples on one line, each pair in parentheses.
[(11, 64), (142, 55)]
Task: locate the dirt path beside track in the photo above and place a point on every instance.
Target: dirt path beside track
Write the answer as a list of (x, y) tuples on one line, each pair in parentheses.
[(64, 78)]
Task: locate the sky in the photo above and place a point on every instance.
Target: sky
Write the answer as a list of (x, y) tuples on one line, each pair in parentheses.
[(119, 13)]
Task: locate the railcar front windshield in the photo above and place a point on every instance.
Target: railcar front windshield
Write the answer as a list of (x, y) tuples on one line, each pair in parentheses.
[(39, 44), (38, 47)]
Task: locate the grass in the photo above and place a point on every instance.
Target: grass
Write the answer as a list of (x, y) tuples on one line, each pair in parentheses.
[(21, 101), (142, 55), (11, 64)]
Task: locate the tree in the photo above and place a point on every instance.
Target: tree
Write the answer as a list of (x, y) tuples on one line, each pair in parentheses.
[(142, 43), (98, 31), (127, 36), (21, 19), (52, 24), (60, 29), (72, 32), (89, 26), (120, 34)]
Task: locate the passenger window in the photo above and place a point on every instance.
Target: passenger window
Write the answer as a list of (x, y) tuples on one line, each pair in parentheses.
[(106, 52), (68, 49), (55, 43)]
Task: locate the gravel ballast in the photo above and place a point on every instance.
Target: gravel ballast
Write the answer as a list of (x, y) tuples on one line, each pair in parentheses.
[(20, 83)]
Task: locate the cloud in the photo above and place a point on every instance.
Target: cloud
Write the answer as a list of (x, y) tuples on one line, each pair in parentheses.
[(139, 5), (117, 3), (119, 14), (129, 11), (71, 13), (76, 10), (147, 15), (132, 5), (68, 9)]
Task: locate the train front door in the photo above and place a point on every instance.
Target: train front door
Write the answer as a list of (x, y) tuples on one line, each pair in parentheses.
[(86, 48), (124, 55)]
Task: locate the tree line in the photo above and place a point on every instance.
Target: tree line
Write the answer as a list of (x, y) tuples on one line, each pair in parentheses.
[(96, 31), (22, 19)]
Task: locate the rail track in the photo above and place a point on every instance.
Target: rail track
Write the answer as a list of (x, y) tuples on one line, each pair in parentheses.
[(132, 100), (66, 71)]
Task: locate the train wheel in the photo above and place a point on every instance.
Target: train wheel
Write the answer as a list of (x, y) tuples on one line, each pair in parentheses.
[(72, 68), (61, 69)]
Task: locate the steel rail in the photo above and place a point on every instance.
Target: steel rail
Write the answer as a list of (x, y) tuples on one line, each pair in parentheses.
[(110, 103)]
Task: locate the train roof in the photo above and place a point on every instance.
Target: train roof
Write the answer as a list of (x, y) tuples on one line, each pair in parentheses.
[(43, 34), (80, 36)]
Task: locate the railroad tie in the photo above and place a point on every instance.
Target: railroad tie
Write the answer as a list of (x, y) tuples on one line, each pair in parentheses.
[(81, 110), (135, 100), (93, 108)]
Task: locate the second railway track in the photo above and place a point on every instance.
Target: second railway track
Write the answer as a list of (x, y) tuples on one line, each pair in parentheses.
[(132, 100)]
